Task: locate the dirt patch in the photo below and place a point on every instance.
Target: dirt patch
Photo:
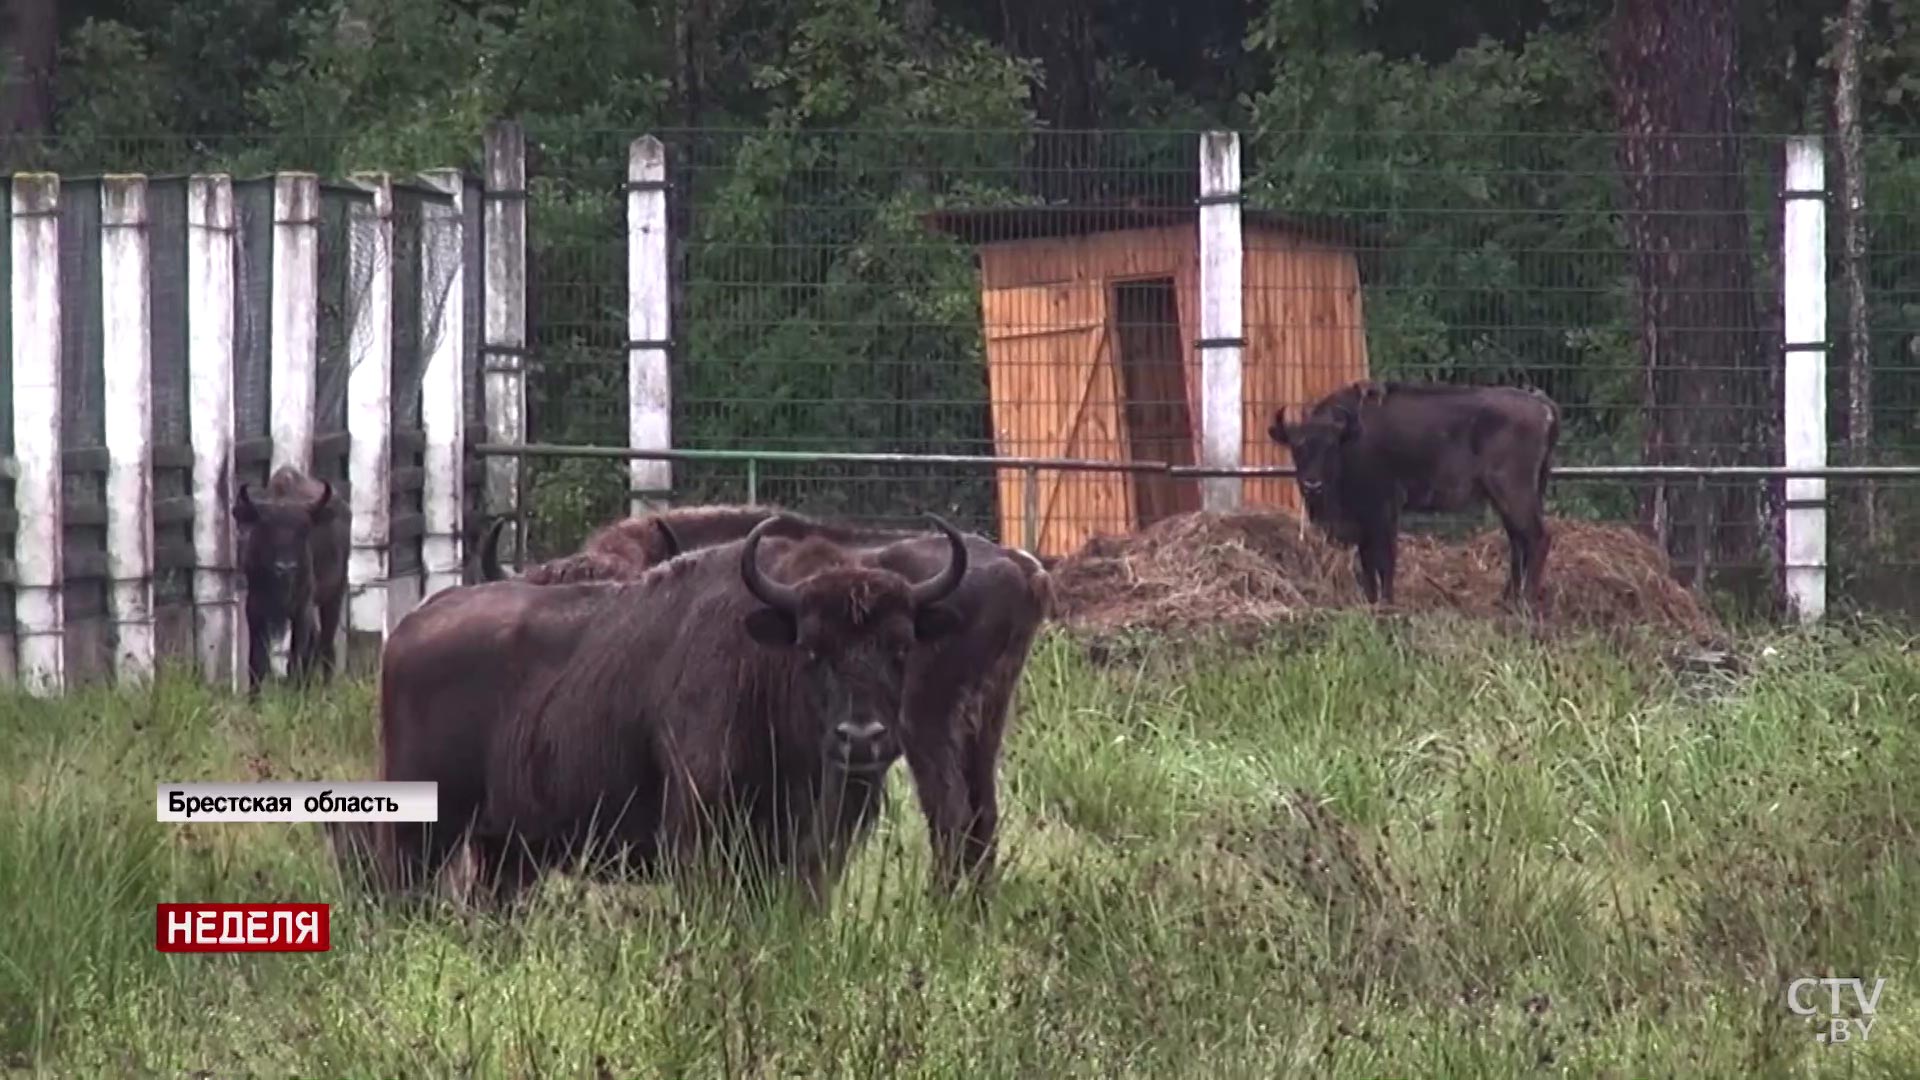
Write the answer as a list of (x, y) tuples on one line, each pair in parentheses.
[(1235, 572)]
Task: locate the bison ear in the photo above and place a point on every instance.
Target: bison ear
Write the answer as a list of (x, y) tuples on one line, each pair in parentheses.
[(935, 621), (244, 511), (773, 628), (1277, 430)]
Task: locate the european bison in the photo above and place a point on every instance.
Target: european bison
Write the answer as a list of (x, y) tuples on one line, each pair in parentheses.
[(1369, 450), (959, 691), (706, 700), (293, 558)]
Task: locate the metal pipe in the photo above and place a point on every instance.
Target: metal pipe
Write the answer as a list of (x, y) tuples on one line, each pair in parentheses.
[(622, 453), (1567, 472), (1031, 528)]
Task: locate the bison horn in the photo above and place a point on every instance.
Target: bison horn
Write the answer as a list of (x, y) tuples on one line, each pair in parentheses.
[(243, 509), (780, 597), (490, 568), (940, 586), (668, 540)]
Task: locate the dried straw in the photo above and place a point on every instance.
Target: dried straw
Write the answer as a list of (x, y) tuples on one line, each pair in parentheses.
[(1211, 571)]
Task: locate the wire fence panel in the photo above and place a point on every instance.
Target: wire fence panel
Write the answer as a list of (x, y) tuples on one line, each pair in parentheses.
[(341, 293), (172, 482), (83, 432), (253, 333), (1036, 293)]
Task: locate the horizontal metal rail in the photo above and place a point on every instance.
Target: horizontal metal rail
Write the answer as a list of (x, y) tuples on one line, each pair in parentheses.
[(1570, 472)]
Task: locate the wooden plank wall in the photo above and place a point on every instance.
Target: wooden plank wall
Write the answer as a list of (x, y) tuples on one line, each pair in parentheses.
[(1041, 299), (1305, 338)]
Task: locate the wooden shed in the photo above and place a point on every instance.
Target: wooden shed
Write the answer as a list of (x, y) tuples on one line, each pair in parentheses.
[(1091, 319)]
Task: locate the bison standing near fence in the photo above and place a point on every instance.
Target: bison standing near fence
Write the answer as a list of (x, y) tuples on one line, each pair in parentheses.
[(1370, 450), (662, 713), (959, 690), (293, 560)]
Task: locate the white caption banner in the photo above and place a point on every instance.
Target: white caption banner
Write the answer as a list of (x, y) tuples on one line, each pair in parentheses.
[(290, 800)]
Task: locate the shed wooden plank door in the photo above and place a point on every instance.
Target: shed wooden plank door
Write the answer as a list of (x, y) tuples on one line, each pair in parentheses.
[(1055, 394)]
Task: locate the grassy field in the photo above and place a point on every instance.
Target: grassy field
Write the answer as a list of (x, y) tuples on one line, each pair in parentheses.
[(1362, 849)]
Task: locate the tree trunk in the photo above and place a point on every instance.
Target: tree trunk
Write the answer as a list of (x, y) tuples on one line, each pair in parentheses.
[(1060, 35), (1705, 377), (1853, 263), (29, 49)]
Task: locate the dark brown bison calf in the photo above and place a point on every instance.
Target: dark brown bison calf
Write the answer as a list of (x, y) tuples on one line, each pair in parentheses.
[(706, 702), (293, 559), (959, 690), (1370, 450)]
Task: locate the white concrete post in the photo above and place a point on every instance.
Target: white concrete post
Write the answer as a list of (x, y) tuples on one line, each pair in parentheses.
[(39, 608), (1803, 263), (504, 348), (296, 327), (443, 380), (211, 247), (649, 385), (370, 405), (1222, 403), (127, 347)]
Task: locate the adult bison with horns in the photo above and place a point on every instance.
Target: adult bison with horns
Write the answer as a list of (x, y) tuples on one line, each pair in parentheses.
[(709, 700), (959, 690)]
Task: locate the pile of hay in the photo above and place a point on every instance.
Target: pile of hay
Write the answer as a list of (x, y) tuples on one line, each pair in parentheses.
[(1212, 571)]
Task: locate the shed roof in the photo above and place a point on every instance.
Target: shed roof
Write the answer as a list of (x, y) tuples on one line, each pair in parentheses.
[(1008, 224)]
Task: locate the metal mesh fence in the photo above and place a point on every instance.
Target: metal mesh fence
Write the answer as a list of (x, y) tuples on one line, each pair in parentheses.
[(172, 484), (83, 431), (1035, 293), (253, 333), (341, 292)]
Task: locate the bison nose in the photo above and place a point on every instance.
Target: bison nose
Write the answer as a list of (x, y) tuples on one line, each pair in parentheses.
[(863, 747), (853, 733)]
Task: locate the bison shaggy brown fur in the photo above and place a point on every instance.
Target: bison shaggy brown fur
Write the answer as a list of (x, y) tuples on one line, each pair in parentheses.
[(703, 702), (960, 689), (1370, 450), (293, 559)]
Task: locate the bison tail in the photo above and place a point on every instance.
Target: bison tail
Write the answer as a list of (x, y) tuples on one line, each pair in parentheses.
[(1553, 439)]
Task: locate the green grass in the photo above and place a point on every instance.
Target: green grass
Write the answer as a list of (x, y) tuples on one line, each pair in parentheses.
[(1364, 849)]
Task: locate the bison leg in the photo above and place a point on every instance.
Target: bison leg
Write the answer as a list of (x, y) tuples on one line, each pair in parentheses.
[(300, 649), (323, 644), (1527, 543), (259, 655), (982, 766), (1377, 553), (934, 761), (1363, 573)]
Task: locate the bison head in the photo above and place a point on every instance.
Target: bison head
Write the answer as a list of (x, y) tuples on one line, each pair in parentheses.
[(275, 555), (855, 627), (1318, 444)]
